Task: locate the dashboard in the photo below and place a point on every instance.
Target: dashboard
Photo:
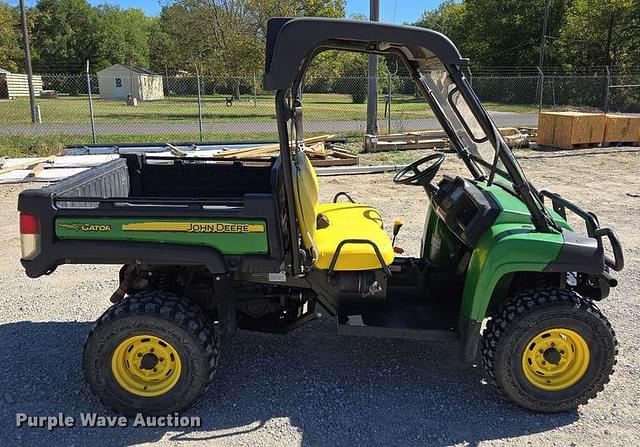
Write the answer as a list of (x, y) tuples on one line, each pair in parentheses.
[(465, 209)]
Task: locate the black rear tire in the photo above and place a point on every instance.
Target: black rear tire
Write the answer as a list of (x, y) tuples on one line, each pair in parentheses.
[(508, 335), (173, 320)]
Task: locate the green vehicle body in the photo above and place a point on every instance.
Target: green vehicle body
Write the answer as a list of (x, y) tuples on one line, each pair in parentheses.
[(211, 244), (499, 251), (228, 236), (497, 254)]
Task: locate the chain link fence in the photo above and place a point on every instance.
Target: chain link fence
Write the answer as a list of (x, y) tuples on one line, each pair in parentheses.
[(137, 107)]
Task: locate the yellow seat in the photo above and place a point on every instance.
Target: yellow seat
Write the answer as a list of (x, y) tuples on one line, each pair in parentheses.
[(324, 226)]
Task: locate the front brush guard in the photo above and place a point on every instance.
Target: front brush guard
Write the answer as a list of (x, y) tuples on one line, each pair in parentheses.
[(560, 205)]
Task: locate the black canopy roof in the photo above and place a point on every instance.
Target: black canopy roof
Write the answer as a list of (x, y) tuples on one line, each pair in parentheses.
[(291, 40)]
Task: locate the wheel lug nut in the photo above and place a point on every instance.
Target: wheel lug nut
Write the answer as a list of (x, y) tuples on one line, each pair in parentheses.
[(161, 359), (561, 352), (155, 370), (139, 355), (541, 351), (151, 350), (544, 363)]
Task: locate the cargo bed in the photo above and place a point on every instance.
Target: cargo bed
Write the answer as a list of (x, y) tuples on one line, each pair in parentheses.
[(159, 210)]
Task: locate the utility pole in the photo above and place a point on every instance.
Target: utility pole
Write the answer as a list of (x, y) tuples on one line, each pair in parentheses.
[(27, 63), (372, 94), (199, 103), (543, 40), (607, 51), (93, 119)]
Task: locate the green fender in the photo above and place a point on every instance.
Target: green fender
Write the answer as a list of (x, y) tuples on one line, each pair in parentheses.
[(504, 248)]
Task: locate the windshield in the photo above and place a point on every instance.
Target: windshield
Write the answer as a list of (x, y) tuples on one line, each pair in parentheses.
[(462, 120), (470, 134)]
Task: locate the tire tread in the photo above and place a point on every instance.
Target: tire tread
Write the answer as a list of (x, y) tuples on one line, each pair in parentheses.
[(170, 307), (514, 311)]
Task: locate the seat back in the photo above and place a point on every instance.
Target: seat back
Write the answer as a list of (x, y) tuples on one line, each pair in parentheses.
[(305, 189)]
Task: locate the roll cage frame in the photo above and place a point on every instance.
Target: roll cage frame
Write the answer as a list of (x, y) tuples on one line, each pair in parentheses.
[(293, 43)]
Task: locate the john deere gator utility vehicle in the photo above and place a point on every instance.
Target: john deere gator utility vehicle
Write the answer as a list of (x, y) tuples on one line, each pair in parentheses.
[(208, 246)]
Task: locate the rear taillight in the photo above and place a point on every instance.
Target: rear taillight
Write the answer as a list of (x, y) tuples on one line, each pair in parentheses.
[(29, 235)]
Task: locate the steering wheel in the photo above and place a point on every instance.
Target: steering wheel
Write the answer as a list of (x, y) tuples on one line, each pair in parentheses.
[(420, 177)]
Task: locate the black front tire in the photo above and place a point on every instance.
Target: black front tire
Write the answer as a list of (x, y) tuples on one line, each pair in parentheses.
[(170, 318), (532, 312)]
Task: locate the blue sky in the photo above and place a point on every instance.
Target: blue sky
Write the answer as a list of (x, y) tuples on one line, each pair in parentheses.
[(402, 10)]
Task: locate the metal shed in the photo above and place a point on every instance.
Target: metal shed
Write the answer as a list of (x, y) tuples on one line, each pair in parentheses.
[(13, 85), (119, 81)]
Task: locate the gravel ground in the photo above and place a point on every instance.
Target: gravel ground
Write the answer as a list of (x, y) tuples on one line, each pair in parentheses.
[(312, 387)]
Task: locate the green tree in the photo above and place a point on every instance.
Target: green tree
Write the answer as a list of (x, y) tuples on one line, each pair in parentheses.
[(263, 10), (451, 19), (225, 37), (65, 33), (219, 35), (496, 32), (353, 71), (229, 35), (322, 8), (632, 27), (598, 32), (179, 38), (122, 36), (10, 39)]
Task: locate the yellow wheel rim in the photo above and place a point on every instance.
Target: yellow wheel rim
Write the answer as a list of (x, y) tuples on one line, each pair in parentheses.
[(146, 365), (555, 359)]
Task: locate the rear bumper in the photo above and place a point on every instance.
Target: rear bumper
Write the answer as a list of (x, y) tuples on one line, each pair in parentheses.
[(112, 252)]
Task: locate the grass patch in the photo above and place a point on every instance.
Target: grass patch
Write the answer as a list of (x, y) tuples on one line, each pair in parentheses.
[(30, 146), (75, 109)]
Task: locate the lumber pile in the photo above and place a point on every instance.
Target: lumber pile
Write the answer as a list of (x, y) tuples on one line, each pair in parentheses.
[(35, 165), (320, 151), (428, 139), (48, 169), (531, 133), (437, 139), (514, 138)]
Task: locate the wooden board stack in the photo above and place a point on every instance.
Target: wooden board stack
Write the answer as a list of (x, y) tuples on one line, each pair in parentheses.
[(315, 147), (428, 139), (436, 139)]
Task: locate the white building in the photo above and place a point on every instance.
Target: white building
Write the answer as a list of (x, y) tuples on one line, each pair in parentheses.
[(119, 81), (13, 85)]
